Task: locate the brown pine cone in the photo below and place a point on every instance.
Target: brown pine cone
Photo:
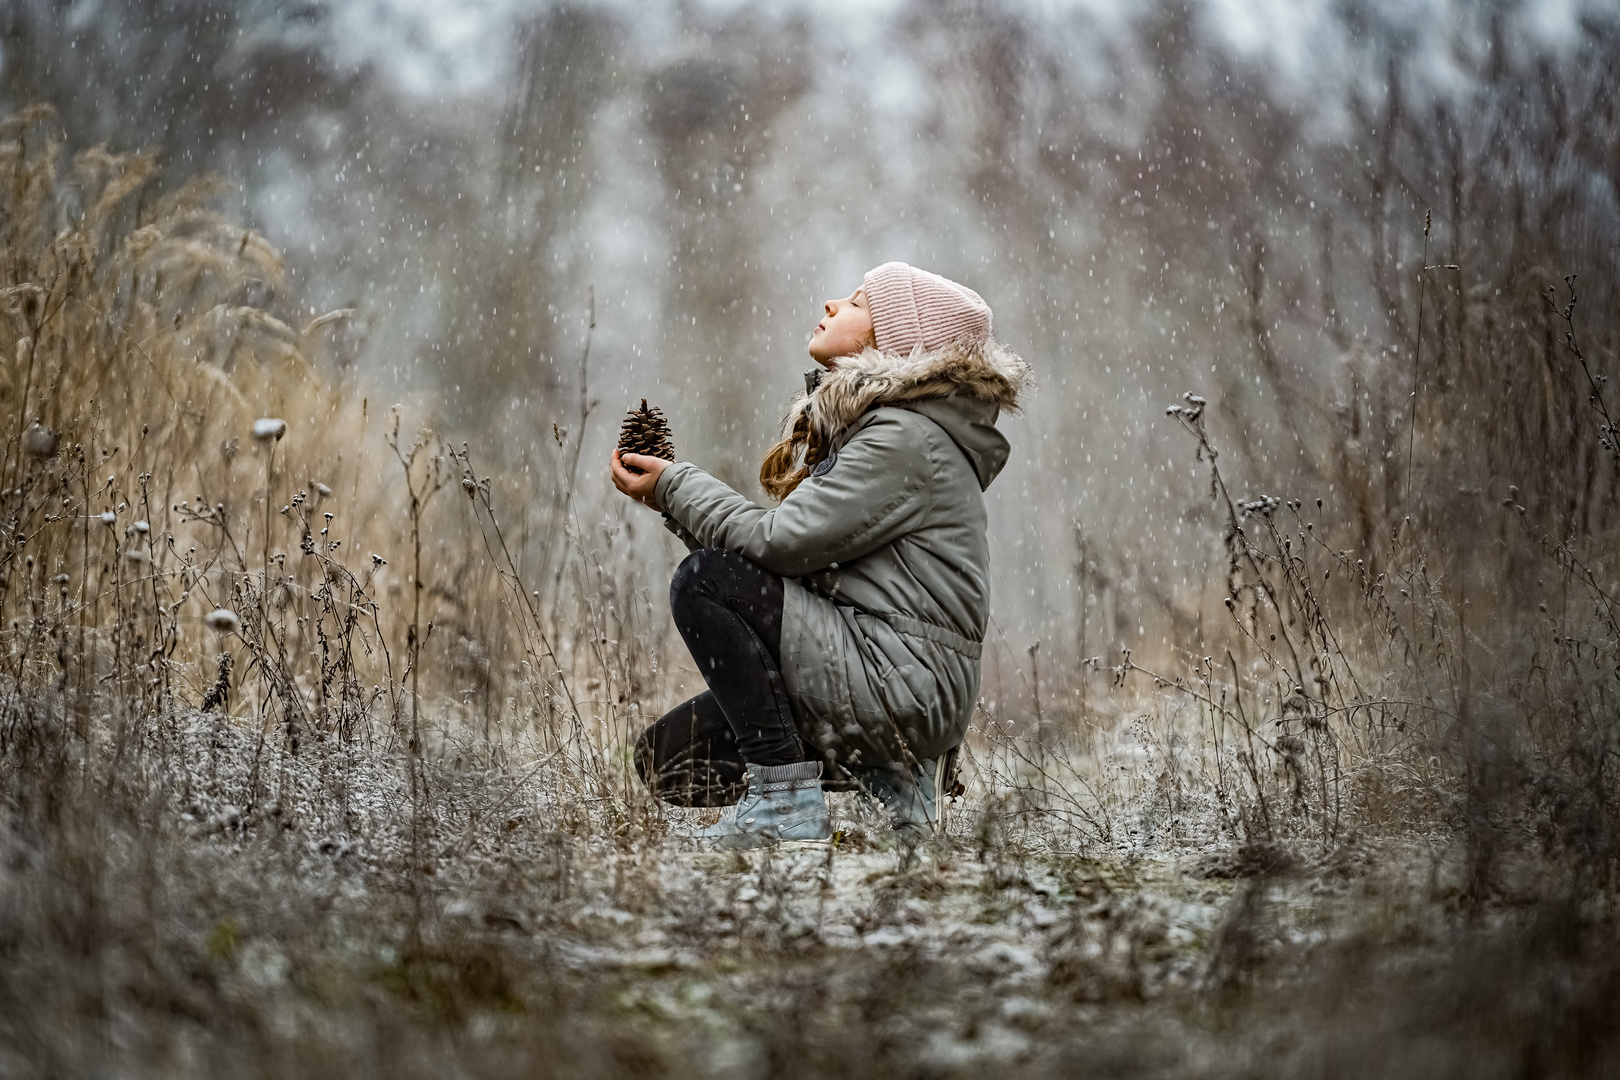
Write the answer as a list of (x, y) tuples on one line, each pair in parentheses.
[(646, 431)]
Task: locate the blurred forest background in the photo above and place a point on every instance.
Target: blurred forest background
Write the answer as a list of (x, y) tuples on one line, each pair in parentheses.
[(1155, 198), (1217, 197)]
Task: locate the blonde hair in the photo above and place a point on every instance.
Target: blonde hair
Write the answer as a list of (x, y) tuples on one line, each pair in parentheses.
[(801, 449), (788, 462)]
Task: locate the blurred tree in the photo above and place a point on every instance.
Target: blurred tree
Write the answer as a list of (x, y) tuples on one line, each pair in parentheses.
[(195, 80), (711, 114), (206, 85), (517, 313)]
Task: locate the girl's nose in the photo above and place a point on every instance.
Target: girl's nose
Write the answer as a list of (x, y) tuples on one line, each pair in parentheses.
[(830, 307)]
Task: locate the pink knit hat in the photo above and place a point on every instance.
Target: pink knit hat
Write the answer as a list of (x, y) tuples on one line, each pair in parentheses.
[(912, 307)]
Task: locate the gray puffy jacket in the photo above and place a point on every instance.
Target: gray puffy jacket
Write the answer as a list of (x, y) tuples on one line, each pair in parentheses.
[(883, 550)]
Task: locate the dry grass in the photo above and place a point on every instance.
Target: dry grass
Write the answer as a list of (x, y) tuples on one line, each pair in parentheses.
[(380, 819)]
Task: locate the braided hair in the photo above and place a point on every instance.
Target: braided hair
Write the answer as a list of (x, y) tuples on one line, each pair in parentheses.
[(790, 461)]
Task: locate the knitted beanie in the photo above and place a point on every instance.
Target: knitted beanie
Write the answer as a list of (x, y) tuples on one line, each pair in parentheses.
[(911, 307)]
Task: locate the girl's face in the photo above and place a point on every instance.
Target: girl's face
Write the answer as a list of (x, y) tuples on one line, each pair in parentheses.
[(845, 331)]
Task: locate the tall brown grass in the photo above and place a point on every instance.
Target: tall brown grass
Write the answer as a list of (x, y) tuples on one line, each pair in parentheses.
[(147, 486)]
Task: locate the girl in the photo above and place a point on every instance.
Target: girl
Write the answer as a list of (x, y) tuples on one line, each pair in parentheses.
[(839, 633)]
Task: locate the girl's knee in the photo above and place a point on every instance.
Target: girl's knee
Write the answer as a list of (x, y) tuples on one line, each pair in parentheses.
[(698, 569), (687, 574)]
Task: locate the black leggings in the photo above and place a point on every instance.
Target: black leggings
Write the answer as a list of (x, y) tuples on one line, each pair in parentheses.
[(729, 611)]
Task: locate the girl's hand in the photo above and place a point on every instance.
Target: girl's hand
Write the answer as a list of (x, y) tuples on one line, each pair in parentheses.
[(639, 486)]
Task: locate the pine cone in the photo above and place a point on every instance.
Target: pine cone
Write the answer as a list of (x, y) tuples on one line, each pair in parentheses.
[(645, 431)]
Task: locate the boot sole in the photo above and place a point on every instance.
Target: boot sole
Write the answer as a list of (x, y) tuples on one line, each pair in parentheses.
[(777, 845), (715, 843)]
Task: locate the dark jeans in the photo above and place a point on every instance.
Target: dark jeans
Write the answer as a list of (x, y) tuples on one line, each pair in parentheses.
[(729, 611)]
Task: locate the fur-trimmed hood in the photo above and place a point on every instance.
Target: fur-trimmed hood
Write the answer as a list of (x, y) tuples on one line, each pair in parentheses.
[(962, 388)]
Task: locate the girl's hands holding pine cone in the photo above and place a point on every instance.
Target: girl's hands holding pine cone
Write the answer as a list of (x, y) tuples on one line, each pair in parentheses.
[(645, 451), (640, 486)]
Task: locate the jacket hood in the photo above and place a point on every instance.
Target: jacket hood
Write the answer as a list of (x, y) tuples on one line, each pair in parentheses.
[(960, 387), (971, 425)]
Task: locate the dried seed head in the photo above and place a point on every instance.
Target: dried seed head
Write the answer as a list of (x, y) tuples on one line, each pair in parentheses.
[(143, 527), (108, 517), (224, 620), (39, 441), (269, 429)]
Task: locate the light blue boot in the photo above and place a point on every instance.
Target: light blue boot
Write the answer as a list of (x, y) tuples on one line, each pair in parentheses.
[(783, 802), (910, 793)]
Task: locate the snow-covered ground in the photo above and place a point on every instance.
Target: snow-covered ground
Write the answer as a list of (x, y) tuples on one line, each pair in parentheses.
[(513, 916)]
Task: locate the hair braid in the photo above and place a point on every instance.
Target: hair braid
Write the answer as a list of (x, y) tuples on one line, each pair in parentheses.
[(788, 462)]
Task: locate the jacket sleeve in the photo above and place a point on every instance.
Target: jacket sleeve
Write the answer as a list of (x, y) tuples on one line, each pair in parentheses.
[(877, 490), (681, 533)]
